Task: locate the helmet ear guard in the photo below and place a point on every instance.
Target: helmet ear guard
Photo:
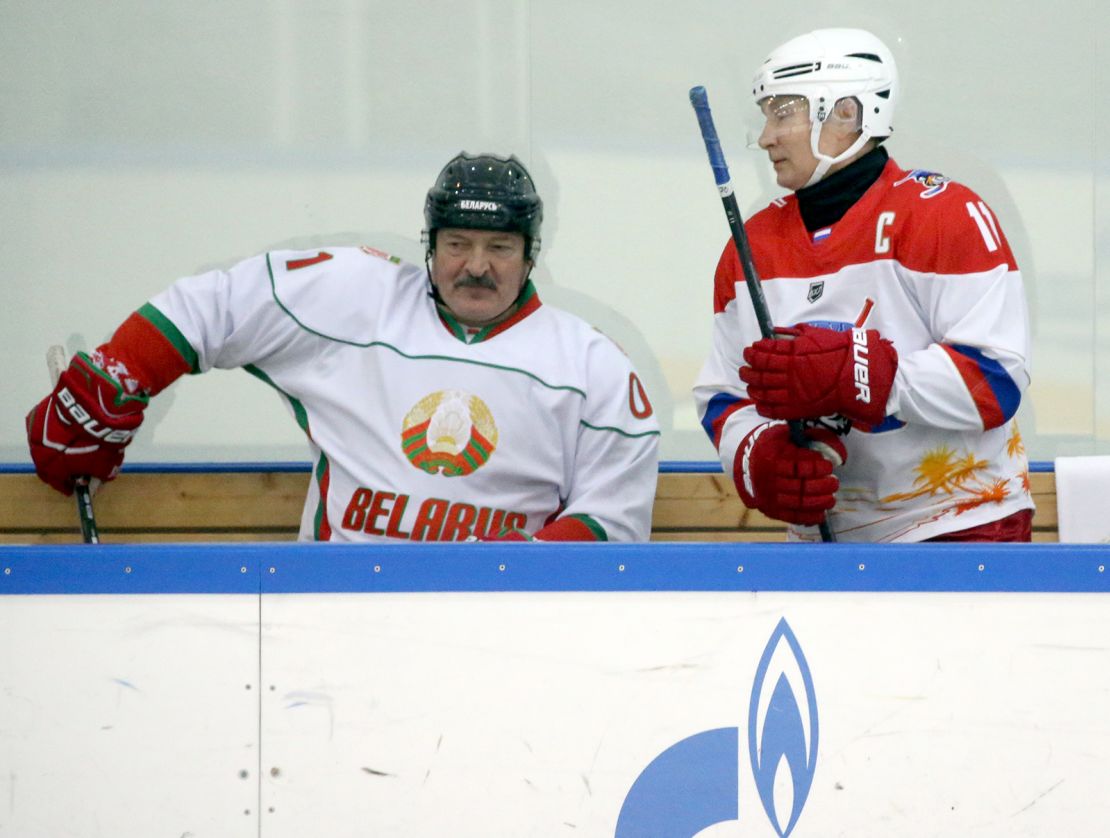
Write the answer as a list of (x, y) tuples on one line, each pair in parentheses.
[(484, 192), (827, 66), (846, 114)]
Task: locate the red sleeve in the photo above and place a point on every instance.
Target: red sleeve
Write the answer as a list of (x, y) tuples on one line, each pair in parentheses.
[(725, 279), (147, 354)]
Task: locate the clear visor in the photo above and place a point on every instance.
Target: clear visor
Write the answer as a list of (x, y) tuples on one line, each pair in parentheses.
[(778, 117)]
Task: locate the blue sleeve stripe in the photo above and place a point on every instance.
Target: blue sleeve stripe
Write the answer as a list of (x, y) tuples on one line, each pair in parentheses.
[(1004, 388), (717, 407)]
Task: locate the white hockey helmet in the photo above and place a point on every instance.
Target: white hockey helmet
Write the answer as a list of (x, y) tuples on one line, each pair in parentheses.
[(828, 65)]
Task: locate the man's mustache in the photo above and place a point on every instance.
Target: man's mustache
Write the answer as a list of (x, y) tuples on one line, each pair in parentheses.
[(483, 281)]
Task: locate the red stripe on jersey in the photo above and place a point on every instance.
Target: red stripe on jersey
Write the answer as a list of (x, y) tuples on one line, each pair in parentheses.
[(529, 306), (147, 353), (990, 412), (868, 304), (294, 264), (726, 277)]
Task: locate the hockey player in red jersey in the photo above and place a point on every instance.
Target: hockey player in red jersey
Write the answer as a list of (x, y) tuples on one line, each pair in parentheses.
[(440, 402), (903, 324)]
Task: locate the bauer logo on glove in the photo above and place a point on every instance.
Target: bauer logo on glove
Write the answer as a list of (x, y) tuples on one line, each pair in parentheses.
[(859, 355), (819, 371), (119, 436), (81, 429)]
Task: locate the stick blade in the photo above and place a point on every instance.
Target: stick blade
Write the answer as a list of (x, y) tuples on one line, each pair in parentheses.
[(56, 361)]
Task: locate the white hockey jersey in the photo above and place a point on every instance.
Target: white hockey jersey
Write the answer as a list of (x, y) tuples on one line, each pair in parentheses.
[(921, 259), (418, 429)]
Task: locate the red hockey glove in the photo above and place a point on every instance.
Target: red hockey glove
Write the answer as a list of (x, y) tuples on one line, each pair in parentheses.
[(513, 534), (82, 427), (786, 482), (570, 528), (821, 372)]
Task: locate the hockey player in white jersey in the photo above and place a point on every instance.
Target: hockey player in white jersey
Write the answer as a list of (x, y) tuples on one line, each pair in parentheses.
[(904, 320), (440, 402)]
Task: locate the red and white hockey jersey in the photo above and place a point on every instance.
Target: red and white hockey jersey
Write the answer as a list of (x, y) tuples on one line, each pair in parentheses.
[(921, 259), (420, 430)]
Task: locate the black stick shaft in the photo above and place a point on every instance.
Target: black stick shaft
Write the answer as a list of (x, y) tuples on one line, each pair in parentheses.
[(85, 514), (55, 362), (700, 100)]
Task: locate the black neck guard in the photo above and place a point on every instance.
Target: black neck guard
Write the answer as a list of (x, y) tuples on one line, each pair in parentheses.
[(826, 202)]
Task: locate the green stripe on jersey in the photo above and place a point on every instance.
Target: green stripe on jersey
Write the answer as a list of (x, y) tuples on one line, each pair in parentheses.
[(586, 424), (593, 526), (171, 333), (322, 503), (454, 325), (299, 413), (372, 343)]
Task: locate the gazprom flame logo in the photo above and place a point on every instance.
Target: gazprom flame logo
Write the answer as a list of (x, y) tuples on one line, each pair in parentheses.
[(449, 432), (694, 783), (782, 731)]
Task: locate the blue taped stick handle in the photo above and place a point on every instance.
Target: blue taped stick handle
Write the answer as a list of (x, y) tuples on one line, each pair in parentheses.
[(700, 100)]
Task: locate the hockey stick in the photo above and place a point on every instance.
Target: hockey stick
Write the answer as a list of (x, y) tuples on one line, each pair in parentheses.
[(56, 363), (700, 100)]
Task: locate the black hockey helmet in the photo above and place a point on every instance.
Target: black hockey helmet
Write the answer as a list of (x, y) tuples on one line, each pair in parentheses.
[(484, 192)]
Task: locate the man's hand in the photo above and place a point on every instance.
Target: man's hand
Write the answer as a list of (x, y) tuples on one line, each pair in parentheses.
[(786, 482), (513, 534), (81, 429), (818, 372)]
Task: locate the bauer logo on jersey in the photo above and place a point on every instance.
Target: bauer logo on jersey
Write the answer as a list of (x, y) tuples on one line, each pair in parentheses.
[(934, 182), (449, 432)]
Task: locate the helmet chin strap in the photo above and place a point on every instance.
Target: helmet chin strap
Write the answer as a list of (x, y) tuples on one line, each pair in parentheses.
[(824, 162)]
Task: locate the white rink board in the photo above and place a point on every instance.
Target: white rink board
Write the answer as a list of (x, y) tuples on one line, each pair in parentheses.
[(128, 716), (531, 714)]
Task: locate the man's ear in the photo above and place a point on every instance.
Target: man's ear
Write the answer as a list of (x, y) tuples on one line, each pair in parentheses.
[(846, 113)]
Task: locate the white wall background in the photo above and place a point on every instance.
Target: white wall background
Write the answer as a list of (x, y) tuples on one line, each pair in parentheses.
[(140, 142)]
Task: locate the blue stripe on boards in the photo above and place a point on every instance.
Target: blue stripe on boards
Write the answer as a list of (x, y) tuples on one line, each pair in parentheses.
[(386, 567)]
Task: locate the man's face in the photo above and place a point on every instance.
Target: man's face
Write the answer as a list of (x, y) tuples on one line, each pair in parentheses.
[(478, 273), (785, 138)]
